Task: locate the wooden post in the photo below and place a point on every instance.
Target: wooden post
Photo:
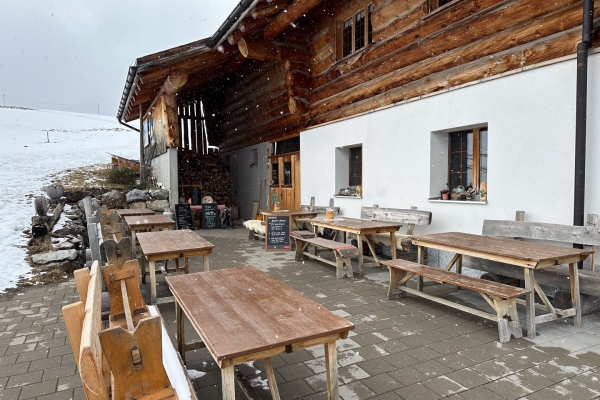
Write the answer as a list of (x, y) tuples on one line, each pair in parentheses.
[(592, 220), (142, 162)]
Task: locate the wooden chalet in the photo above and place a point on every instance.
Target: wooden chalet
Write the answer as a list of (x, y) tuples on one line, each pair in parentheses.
[(383, 101)]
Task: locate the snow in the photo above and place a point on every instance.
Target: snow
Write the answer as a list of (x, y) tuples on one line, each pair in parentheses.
[(26, 159)]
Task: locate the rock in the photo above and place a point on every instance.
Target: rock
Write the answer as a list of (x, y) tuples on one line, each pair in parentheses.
[(95, 205), (65, 246), (54, 256), (138, 204), (159, 194), (113, 199), (72, 217), (40, 204), (137, 195), (70, 228), (55, 192), (157, 205)]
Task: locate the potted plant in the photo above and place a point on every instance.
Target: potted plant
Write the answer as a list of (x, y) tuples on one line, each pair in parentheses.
[(445, 193)]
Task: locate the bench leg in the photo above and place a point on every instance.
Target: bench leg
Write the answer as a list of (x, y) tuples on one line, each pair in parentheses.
[(395, 276), (205, 262), (153, 296), (251, 234), (361, 259), (180, 330), (300, 246), (333, 390), (228, 382), (344, 266), (421, 260), (508, 319), (271, 378)]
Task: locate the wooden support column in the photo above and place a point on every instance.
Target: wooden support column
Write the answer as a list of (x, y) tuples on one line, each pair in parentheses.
[(296, 10), (142, 163), (172, 120)]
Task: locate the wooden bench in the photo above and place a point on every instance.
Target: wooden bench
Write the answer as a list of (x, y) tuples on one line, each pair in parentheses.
[(501, 297), (558, 276), (409, 218), (132, 359), (342, 252)]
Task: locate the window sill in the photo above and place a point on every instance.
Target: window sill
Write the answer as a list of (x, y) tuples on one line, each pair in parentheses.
[(337, 196), (439, 200)]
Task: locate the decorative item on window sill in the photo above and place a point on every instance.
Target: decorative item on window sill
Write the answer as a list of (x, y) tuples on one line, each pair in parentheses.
[(459, 193), (355, 191), (445, 193)]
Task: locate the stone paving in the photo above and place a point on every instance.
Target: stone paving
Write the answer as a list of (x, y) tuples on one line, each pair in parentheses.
[(401, 349)]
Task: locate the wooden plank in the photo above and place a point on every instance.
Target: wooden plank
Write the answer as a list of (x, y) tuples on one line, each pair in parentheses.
[(439, 275), (416, 217), (173, 243), (542, 231), (82, 279)]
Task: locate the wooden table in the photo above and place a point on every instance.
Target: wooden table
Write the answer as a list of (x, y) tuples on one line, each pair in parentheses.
[(243, 314), (167, 245), (362, 228), (525, 255), (146, 222), (128, 212)]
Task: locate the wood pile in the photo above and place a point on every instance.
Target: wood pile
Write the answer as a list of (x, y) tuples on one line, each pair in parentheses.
[(207, 173)]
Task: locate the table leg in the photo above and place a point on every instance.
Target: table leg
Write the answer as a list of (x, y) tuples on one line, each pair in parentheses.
[(180, 330), (152, 282), (421, 260), (393, 244), (575, 299), (133, 244), (143, 265), (176, 265), (271, 378), (361, 260), (228, 382), (206, 264), (333, 390), (530, 302)]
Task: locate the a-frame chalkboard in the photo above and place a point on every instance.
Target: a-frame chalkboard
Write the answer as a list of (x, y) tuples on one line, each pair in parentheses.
[(183, 216), (211, 218), (277, 236)]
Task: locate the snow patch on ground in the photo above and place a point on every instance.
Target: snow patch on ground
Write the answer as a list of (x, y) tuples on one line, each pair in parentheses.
[(194, 373), (26, 159)]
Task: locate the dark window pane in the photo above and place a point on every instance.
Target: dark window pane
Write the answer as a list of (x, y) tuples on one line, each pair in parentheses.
[(370, 26), (455, 162), (287, 173), (443, 2), (483, 156), (355, 166), (347, 38), (359, 31), (275, 174)]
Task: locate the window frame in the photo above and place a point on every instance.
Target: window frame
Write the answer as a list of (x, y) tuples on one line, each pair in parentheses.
[(433, 6), (351, 12), (476, 154)]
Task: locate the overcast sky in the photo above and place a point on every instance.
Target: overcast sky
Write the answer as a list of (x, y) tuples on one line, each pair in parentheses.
[(77, 52)]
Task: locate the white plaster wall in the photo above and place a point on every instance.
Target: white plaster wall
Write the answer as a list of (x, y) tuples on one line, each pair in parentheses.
[(531, 121), (246, 179), (164, 167)]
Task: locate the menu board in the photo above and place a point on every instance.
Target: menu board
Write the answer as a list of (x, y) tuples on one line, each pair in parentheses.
[(183, 216), (210, 216), (278, 233)]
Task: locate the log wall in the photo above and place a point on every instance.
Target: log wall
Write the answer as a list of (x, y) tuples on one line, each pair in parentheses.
[(415, 53)]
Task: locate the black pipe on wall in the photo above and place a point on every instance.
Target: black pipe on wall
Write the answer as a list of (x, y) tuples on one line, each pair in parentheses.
[(581, 112)]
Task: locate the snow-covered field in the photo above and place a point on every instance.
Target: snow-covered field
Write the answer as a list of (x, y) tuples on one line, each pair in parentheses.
[(26, 160)]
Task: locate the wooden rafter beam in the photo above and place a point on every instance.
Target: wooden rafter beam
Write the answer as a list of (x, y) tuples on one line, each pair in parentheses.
[(290, 15), (170, 86), (259, 50)]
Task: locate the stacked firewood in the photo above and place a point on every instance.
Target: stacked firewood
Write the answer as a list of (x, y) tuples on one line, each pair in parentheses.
[(209, 172)]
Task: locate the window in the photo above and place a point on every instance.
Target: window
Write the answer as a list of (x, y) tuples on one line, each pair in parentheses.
[(459, 159), (435, 4), (355, 166), (355, 30)]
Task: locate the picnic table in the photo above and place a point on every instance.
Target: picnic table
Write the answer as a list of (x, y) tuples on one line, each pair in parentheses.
[(293, 214), (243, 314), (137, 223), (128, 212), (168, 245), (525, 255), (362, 228)]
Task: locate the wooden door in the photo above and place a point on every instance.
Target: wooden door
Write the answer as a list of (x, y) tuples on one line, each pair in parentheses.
[(285, 181)]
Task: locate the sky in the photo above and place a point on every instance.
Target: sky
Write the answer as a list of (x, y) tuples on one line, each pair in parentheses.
[(74, 55)]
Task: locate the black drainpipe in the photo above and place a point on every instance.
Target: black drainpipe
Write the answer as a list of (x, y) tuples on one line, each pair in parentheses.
[(581, 115), (127, 125)]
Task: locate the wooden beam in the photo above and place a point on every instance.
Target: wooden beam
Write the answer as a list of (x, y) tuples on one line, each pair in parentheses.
[(283, 20), (264, 51), (174, 82)]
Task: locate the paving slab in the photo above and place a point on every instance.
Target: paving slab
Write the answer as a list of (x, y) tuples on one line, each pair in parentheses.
[(401, 349)]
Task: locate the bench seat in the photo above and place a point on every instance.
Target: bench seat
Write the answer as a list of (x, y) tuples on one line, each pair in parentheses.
[(501, 297), (343, 252)]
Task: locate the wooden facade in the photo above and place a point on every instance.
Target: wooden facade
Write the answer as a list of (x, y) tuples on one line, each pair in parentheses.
[(280, 70)]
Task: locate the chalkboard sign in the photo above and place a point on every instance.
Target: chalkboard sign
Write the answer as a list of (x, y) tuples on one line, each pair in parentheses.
[(210, 216), (278, 233), (183, 216)]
